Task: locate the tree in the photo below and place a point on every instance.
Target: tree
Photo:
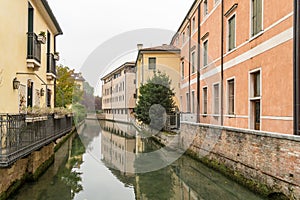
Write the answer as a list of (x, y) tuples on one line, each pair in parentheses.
[(98, 103), (155, 101), (67, 91), (88, 96)]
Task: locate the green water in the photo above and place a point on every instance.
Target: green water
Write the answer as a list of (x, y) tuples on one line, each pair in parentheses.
[(86, 168)]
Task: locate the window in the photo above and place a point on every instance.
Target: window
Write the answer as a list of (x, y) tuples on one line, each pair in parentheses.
[(216, 99), (205, 100), (256, 84), (152, 63), (193, 101), (193, 62), (183, 37), (205, 49), (205, 9), (231, 33), (187, 102), (182, 70), (256, 16), (255, 100), (230, 93), (193, 24)]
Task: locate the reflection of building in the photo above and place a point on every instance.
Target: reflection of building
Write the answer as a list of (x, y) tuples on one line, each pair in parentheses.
[(28, 55), (118, 147), (245, 64), (118, 93), (163, 58)]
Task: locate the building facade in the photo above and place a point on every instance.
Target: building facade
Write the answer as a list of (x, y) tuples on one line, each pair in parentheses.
[(118, 93), (163, 58), (237, 64), (28, 56)]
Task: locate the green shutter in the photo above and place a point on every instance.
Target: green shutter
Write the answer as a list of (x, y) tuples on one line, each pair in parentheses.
[(259, 15), (254, 17)]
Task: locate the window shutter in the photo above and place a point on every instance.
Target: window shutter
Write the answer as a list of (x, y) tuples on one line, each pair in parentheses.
[(259, 15)]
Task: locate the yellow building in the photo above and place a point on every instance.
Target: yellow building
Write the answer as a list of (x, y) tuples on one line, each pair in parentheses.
[(166, 59), (28, 55)]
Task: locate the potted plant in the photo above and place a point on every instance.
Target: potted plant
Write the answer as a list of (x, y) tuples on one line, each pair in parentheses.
[(56, 56), (36, 114), (42, 37)]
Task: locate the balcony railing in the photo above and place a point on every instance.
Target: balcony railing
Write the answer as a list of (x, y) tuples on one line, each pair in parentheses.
[(18, 137), (51, 68), (33, 47)]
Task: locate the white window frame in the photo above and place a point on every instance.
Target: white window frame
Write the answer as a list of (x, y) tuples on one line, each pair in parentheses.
[(193, 62), (234, 96), (251, 98), (205, 87), (182, 70), (229, 18), (213, 102), (203, 54), (262, 21)]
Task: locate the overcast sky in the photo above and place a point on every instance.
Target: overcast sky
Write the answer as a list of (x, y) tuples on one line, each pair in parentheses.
[(87, 24)]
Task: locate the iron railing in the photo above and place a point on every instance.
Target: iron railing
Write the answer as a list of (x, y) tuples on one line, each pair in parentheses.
[(20, 135), (33, 47), (51, 68)]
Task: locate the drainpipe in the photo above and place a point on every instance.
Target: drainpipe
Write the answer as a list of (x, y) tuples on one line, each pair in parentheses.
[(296, 70), (198, 65), (222, 62), (55, 70), (189, 38)]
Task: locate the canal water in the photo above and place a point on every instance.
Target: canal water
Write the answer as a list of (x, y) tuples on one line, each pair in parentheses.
[(91, 165)]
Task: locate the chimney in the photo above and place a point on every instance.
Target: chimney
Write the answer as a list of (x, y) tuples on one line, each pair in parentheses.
[(139, 46)]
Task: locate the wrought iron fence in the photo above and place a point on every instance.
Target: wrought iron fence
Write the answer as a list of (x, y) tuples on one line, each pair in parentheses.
[(33, 47), (20, 134), (51, 68)]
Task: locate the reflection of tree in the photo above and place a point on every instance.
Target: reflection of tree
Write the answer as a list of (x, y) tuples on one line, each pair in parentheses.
[(156, 185), (68, 175)]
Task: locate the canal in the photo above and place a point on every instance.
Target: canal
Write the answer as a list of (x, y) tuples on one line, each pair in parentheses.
[(93, 165)]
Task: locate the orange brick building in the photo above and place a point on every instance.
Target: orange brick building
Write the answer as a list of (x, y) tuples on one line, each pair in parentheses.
[(237, 64)]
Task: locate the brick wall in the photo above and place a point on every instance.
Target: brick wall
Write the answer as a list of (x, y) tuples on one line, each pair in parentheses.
[(263, 158)]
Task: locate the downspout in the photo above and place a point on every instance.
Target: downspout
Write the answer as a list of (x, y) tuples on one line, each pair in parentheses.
[(55, 70), (222, 62), (190, 35), (198, 65), (296, 70)]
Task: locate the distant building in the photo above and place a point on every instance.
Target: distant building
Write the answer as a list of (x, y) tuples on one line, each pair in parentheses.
[(118, 93), (79, 80), (28, 55), (165, 58), (245, 67)]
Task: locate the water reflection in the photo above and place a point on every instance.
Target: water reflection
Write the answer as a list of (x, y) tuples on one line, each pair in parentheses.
[(98, 165)]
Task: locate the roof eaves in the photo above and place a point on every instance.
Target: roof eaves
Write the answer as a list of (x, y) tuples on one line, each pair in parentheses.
[(49, 11)]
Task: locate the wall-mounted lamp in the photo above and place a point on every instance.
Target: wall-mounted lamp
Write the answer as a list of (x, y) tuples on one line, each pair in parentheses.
[(42, 92), (16, 83)]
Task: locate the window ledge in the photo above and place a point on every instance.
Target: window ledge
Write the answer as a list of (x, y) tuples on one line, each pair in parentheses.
[(254, 98), (230, 51), (256, 36)]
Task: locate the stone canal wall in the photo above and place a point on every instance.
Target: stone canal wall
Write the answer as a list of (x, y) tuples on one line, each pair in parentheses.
[(268, 163), (28, 168)]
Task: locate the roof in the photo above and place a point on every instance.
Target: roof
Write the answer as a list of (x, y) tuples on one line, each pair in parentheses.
[(117, 69), (186, 17), (51, 15), (78, 76), (164, 47)]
